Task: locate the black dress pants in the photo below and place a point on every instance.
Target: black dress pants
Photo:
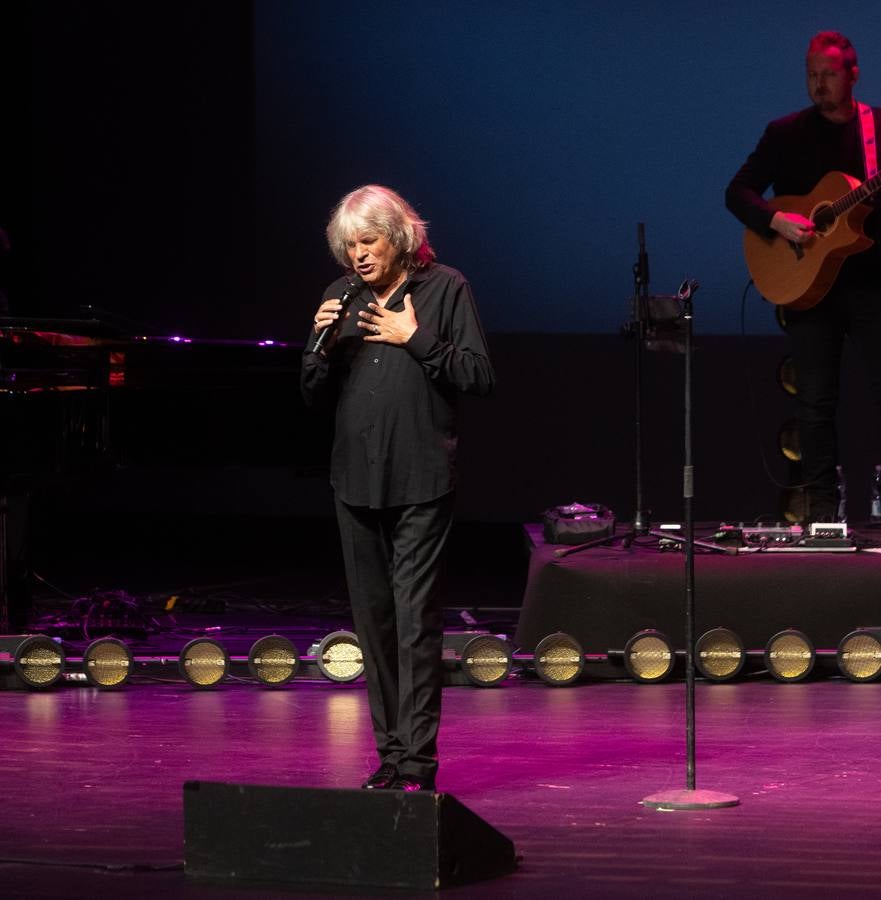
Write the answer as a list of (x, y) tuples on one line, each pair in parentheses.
[(817, 339), (393, 563)]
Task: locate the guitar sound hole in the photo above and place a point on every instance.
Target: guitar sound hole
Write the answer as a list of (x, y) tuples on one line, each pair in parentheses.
[(823, 218)]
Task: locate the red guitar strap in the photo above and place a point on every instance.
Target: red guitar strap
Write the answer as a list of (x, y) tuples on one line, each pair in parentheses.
[(870, 149)]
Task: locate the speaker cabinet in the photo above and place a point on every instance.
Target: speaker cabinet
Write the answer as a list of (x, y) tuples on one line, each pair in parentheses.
[(310, 836)]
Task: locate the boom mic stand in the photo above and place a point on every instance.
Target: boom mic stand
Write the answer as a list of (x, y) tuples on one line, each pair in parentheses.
[(638, 324), (636, 329)]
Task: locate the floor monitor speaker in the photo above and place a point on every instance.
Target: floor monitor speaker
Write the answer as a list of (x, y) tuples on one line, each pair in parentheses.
[(311, 836)]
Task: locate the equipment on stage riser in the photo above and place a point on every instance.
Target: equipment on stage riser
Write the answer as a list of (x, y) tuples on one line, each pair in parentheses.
[(577, 522), (309, 836), (829, 536)]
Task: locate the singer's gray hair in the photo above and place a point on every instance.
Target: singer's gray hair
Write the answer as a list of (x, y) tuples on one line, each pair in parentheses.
[(373, 207)]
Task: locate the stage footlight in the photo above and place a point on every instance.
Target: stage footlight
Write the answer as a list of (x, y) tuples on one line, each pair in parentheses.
[(792, 505), (339, 657), (649, 656), (859, 655), (786, 376), (559, 659), (719, 654), (203, 662), (486, 660), (789, 655), (39, 661), (107, 663), (273, 660), (788, 440)]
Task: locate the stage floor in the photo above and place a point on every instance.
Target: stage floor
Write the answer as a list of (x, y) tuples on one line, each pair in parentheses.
[(91, 783)]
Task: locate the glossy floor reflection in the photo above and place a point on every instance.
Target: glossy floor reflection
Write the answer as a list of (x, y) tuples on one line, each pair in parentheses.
[(91, 783)]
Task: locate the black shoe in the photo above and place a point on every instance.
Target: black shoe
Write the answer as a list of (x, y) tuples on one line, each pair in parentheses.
[(382, 778), (412, 783)]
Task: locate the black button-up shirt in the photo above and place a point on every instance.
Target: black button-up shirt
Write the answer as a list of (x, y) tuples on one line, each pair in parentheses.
[(395, 438)]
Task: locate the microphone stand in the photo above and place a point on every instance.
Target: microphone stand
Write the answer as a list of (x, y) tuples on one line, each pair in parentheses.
[(636, 328), (690, 798), (4, 579), (640, 524)]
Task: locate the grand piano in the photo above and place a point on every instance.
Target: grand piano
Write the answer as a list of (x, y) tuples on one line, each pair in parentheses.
[(77, 392), (81, 396)]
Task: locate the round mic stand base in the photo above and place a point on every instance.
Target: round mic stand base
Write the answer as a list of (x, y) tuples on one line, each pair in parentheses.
[(685, 799)]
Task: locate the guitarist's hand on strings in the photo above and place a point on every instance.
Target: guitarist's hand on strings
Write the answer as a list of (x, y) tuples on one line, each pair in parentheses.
[(793, 227)]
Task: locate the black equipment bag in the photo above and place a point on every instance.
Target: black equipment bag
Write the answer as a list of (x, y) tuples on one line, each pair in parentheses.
[(577, 523)]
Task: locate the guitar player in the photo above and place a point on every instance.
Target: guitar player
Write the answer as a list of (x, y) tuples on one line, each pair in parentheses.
[(834, 134)]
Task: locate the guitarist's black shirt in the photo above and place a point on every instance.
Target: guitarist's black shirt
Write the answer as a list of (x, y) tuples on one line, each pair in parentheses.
[(794, 153)]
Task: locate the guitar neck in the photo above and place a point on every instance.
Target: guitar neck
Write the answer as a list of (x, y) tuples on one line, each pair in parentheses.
[(857, 195)]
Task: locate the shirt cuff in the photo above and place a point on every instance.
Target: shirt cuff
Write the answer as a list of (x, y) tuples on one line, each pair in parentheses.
[(421, 343)]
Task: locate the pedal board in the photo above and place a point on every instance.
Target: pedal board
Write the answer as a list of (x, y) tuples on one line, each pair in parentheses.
[(820, 536), (827, 536), (759, 536)]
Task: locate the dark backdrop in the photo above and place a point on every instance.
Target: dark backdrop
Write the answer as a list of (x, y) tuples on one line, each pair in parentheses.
[(184, 156), (534, 135), (142, 164)]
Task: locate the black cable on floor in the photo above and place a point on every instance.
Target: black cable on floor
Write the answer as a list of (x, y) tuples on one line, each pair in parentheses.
[(102, 867)]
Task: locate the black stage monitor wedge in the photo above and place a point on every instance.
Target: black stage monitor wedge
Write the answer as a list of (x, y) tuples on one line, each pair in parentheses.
[(311, 836)]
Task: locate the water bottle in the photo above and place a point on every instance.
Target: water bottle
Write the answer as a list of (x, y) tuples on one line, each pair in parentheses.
[(875, 503), (840, 495)]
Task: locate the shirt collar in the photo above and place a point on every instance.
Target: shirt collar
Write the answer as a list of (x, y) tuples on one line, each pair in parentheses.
[(397, 299)]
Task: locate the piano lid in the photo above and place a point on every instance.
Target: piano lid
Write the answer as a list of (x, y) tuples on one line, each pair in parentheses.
[(78, 394), (25, 325), (38, 355)]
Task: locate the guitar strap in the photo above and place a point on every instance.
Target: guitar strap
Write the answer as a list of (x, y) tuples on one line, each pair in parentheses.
[(870, 148)]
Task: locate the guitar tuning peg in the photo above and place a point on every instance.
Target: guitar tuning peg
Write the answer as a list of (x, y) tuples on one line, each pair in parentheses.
[(687, 289)]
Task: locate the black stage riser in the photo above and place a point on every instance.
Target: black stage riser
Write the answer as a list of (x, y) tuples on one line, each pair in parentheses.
[(307, 836), (603, 596)]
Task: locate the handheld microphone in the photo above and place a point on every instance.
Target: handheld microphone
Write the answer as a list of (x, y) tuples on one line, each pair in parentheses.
[(353, 288)]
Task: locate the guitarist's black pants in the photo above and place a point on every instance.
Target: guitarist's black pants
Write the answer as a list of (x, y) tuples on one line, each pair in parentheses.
[(817, 336)]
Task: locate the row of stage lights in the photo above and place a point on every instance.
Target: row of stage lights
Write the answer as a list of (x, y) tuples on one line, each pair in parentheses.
[(649, 656), (486, 660), (719, 655), (40, 662)]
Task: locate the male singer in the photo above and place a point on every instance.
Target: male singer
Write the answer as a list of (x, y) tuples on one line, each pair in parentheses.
[(394, 360)]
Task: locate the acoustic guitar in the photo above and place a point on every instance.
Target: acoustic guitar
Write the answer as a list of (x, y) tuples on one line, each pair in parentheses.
[(800, 275)]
